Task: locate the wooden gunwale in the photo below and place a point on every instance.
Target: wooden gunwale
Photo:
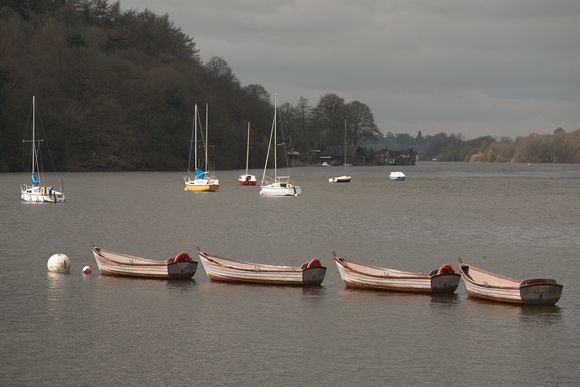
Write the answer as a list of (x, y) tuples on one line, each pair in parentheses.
[(261, 267), (402, 274), (515, 283), (133, 261)]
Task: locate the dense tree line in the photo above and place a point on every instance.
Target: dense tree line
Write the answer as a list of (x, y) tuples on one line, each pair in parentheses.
[(561, 147), (116, 90)]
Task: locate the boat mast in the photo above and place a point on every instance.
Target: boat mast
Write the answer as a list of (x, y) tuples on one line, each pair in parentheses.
[(248, 149), (344, 147), (191, 146), (275, 142), (270, 145), (206, 142), (195, 141), (33, 133)]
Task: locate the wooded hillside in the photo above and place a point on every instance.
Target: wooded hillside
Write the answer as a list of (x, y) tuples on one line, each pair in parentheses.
[(116, 90)]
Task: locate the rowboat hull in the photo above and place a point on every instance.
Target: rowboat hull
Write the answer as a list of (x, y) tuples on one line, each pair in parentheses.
[(231, 270), (494, 287), (118, 264), (364, 276)]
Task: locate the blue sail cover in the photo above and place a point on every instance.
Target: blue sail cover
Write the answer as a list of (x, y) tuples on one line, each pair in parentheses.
[(199, 174), (33, 179)]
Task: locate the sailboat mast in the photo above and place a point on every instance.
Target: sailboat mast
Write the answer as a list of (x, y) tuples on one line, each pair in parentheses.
[(248, 149), (33, 133), (195, 141), (275, 141), (191, 146), (206, 142), (344, 147)]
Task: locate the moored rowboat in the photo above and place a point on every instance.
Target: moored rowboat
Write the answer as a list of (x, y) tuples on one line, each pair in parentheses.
[(112, 263), (232, 270), (361, 275), (483, 284)]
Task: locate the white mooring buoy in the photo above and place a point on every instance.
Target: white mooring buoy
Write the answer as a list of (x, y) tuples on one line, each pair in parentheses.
[(87, 270), (58, 263)]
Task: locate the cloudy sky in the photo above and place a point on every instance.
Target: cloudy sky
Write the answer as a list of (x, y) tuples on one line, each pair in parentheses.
[(475, 67)]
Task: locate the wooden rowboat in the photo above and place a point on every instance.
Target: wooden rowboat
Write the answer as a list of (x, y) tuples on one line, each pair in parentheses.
[(231, 270), (361, 275), (111, 263), (483, 284)]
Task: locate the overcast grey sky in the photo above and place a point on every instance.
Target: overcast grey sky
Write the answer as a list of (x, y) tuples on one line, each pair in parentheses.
[(485, 67)]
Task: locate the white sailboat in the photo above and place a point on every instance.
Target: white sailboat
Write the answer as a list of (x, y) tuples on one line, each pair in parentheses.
[(200, 181), (247, 179), (277, 185), (344, 178), (36, 192)]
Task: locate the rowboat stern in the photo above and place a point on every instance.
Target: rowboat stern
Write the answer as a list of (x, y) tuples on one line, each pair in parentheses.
[(540, 291), (445, 283), (313, 275), (181, 269)]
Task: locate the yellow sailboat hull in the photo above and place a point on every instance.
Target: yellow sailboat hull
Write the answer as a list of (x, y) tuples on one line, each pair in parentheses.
[(201, 188)]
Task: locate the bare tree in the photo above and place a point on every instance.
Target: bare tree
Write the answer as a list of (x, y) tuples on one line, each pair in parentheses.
[(219, 69), (328, 118), (361, 122), (258, 92)]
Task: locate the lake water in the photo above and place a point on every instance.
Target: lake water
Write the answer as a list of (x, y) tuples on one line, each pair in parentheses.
[(519, 220)]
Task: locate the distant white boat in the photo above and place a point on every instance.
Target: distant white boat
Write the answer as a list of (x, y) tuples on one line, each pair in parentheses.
[(397, 176), (36, 192), (277, 185), (340, 179), (247, 179), (325, 164), (344, 178)]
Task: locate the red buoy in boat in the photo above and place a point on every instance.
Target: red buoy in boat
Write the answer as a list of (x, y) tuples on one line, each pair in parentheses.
[(314, 262), (182, 257), (445, 269)]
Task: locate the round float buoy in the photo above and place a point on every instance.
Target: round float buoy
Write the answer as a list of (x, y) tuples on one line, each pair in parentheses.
[(58, 263), (314, 262), (181, 257), (445, 269), (87, 270)]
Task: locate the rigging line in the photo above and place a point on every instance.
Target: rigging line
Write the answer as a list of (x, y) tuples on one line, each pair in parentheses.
[(268, 154), (39, 159), (190, 147), (285, 152)]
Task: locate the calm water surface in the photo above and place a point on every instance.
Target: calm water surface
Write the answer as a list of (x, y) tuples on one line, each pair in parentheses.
[(516, 219)]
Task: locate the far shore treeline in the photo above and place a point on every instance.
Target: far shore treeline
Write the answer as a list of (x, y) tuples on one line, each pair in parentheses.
[(115, 90)]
